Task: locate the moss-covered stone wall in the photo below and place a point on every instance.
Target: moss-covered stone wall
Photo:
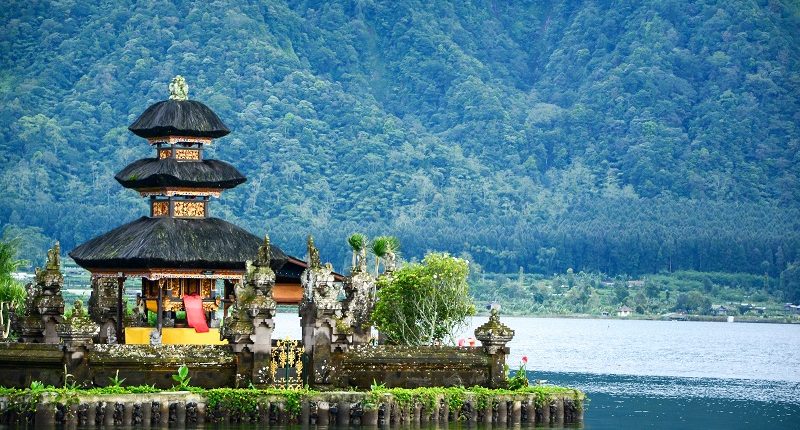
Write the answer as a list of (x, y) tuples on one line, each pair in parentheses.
[(410, 367), (43, 408), (22, 363)]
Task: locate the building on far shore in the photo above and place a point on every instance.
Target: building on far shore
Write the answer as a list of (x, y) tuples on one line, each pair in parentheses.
[(624, 311)]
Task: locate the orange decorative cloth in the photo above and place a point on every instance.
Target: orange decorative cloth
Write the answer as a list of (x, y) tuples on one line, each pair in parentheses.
[(195, 315)]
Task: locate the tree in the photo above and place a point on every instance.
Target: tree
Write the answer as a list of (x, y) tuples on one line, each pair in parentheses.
[(382, 247), (11, 291), (790, 283), (424, 303), (620, 291)]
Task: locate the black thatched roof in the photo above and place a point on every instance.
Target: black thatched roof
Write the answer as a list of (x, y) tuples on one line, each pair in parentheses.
[(170, 243), (169, 172), (179, 118)]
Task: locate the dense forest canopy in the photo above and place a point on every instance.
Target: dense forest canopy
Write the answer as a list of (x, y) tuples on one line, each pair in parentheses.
[(621, 136)]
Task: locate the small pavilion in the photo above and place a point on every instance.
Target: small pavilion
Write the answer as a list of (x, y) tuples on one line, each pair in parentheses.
[(179, 250)]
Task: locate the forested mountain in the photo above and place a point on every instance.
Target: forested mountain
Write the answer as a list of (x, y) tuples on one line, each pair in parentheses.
[(622, 136)]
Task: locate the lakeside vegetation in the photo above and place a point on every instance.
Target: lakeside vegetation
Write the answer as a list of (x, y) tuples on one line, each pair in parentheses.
[(696, 294)]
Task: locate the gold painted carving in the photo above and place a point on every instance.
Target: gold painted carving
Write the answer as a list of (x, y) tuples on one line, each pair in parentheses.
[(160, 208), (174, 286), (190, 209), (205, 287), (187, 154), (164, 153)]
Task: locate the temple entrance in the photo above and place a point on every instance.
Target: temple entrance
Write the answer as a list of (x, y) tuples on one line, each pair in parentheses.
[(287, 364)]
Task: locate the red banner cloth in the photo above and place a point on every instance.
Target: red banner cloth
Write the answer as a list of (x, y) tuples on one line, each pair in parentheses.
[(195, 315)]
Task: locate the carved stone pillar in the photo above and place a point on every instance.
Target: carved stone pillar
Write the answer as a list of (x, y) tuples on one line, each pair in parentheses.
[(359, 305), (44, 305), (494, 336), (250, 324), (324, 330), (103, 307), (77, 333)]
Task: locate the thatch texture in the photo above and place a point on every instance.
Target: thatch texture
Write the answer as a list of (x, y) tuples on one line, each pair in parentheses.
[(179, 118), (170, 243), (168, 172)]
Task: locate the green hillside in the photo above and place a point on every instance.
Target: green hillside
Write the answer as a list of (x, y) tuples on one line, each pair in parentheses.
[(627, 137)]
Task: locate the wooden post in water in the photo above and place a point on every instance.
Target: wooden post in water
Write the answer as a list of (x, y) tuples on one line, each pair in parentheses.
[(370, 417), (323, 413), (558, 411), (164, 413), (488, 412), (516, 412), (502, 412), (147, 414), (180, 413), (127, 414), (91, 414), (343, 414), (45, 415), (108, 417), (544, 412)]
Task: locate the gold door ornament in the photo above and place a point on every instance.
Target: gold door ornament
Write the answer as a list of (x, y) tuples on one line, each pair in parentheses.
[(286, 364)]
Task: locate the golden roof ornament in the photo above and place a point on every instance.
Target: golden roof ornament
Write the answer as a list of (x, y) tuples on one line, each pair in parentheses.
[(178, 89)]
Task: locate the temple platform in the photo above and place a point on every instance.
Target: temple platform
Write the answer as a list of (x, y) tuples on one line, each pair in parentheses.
[(173, 336)]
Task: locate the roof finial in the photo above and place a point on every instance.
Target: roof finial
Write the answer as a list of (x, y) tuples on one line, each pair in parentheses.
[(178, 90)]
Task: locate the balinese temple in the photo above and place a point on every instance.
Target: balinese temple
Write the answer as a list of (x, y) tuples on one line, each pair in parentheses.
[(179, 251)]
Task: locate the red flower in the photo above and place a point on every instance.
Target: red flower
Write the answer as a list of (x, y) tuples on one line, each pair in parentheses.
[(524, 359)]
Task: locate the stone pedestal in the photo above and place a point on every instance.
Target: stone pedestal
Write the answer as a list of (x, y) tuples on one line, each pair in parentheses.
[(494, 336)]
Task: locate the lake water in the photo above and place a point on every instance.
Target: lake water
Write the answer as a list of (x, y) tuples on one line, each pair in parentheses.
[(660, 374)]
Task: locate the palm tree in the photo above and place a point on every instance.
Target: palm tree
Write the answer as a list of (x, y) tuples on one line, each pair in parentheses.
[(383, 246), (358, 242)]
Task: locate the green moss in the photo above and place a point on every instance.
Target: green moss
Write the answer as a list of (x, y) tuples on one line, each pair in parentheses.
[(247, 400)]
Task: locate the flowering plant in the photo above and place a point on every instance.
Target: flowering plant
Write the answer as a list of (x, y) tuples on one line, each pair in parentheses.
[(520, 377)]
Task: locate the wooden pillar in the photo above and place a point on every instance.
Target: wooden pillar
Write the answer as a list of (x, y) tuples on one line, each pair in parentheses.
[(120, 311), (160, 306)]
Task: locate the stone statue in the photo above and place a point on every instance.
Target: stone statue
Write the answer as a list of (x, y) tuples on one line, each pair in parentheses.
[(54, 257), (155, 337), (390, 262), (264, 253), (361, 261), (44, 305), (111, 335), (178, 89), (77, 309), (313, 254)]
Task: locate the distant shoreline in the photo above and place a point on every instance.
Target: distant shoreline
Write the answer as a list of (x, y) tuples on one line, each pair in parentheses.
[(689, 318)]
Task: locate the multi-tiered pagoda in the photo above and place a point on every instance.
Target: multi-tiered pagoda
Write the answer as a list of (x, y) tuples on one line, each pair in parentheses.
[(179, 251)]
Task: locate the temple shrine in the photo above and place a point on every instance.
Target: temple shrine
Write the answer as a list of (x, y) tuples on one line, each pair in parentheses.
[(180, 252)]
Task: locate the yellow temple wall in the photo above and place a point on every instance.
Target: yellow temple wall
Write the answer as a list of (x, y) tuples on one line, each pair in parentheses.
[(173, 336)]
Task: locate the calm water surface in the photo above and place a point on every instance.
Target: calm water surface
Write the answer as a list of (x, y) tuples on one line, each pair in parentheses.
[(660, 374)]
